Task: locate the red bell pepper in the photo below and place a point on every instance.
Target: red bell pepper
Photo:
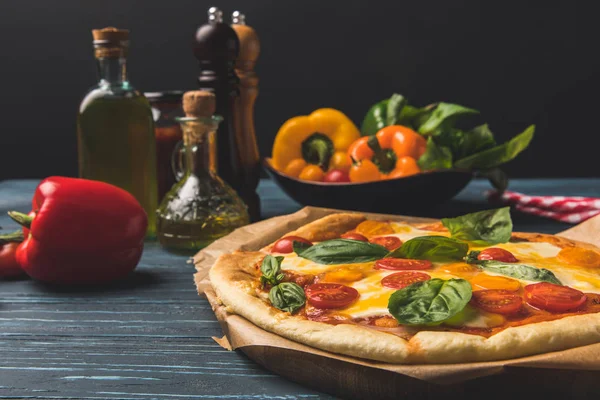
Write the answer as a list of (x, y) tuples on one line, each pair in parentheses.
[(81, 232)]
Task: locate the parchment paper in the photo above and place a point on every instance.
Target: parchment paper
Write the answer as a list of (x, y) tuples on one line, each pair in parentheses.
[(240, 333)]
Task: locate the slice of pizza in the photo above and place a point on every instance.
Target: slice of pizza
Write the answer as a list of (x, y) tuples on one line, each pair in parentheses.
[(461, 290)]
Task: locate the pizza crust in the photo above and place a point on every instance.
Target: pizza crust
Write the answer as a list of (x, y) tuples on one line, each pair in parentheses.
[(234, 279)]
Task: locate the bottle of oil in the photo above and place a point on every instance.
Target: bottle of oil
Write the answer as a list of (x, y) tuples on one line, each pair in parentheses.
[(201, 207), (115, 128)]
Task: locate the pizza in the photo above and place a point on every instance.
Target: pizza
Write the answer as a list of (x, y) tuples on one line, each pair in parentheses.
[(462, 289)]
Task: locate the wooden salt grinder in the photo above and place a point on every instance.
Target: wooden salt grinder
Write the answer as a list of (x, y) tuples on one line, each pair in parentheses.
[(244, 110)]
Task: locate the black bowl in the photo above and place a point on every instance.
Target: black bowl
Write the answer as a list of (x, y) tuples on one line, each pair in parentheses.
[(401, 195)]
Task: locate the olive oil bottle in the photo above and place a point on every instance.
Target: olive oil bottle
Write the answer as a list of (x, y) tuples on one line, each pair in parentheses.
[(115, 128)]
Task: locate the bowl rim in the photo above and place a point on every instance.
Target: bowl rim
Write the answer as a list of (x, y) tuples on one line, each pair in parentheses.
[(267, 164)]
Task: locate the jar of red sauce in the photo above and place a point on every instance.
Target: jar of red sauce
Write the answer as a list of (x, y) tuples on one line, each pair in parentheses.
[(166, 106)]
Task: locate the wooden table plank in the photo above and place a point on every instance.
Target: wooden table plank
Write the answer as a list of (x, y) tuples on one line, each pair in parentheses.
[(149, 337)]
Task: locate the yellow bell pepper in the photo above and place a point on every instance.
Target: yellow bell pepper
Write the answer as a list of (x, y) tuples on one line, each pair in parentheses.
[(314, 139)]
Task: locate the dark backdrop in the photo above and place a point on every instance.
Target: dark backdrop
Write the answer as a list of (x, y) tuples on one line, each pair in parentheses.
[(517, 62)]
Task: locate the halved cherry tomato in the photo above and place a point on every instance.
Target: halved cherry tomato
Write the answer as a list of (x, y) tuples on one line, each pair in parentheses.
[(336, 175), (330, 295), (389, 242), (403, 279), (402, 264), (498, 254), (487, 282), (554, 298), (579, 256), (286, 244), (354, 236), (497, 301), (374, 228), (9, 267)]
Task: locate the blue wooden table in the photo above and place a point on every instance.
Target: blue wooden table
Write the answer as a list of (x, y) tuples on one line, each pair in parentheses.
[(149, 337)]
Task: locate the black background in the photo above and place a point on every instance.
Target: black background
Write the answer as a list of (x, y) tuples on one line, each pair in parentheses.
[(518, 62)]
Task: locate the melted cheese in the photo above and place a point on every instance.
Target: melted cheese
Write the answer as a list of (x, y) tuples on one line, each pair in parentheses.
[(374, 297)]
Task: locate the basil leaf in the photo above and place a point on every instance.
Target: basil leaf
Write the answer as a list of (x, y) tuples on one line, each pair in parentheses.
[(495, 156), (394, 107), (341, 251), (432, 248), (477, 139), (435, 157), (519, 271), (483, 227), (432, 301), (471, 258), (287, 296), (442, 117), (271, 270), (410, 115), (497, 178)]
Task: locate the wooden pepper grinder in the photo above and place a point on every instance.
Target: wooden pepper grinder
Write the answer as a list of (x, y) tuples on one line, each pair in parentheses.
[(244, 105), (216, 48)]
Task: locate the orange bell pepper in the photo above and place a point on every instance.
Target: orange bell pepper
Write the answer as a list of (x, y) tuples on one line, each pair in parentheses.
[(394, 150)]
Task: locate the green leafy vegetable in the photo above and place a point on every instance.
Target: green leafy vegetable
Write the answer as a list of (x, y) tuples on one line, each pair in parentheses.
[(429, 302), (495, 156), (483, 227), (464, 143), (271, 270), (471, 258), (394, 107), (435, 157), (519, 271), (497, 178), (287, 296), (442, 117), (432, 248), (341, 251)]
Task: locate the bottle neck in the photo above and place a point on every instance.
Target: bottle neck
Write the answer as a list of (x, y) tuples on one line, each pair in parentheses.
[(201, 151), (112, 70)]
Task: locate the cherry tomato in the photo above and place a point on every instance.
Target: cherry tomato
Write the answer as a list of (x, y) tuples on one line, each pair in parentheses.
[(403, 279), (8, 262), (365, 171), (354, 236), (486, 282), (336, 175), (553, 298), (285, 244), (340, 160), (497, 301), (295, 167), (312, 173), (389, 242), (373, 228), (579, 256), (498, 254), (330, 295), (402, 264)]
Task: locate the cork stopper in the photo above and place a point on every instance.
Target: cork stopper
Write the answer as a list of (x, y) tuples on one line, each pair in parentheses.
[(199, 103), (110, 42)]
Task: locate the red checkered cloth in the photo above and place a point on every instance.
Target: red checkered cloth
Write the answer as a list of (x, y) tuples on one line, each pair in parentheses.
[(572, 209)]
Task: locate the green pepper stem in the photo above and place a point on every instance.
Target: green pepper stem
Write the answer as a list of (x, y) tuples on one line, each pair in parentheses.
[(21, 219), (380, 156), (13, 237)]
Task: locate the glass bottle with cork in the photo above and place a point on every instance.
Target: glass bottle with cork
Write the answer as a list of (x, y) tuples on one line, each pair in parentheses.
[(201, 207), (115, 129)]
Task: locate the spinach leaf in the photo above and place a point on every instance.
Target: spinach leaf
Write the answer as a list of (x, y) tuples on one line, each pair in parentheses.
[(435, 157), (464, 143), (410, 115), (271, 270), (341, 251), (519, 271), (442, 117), (495, 156), (497, 178), (483, 227), (432, 248), (429, 302), (394, 107), (287, 296)]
